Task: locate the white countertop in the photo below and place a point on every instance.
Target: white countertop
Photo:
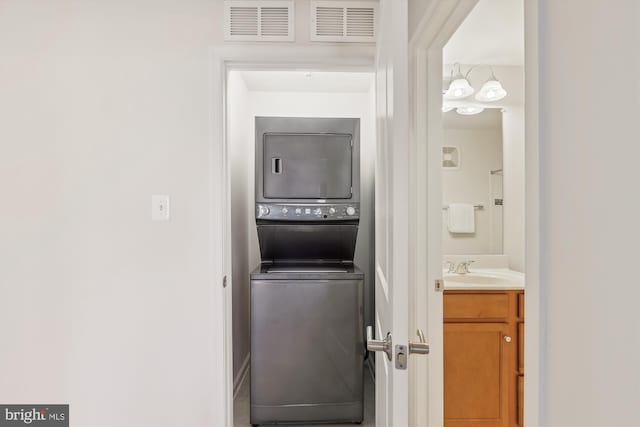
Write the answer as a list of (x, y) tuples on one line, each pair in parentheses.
[(485, 279)]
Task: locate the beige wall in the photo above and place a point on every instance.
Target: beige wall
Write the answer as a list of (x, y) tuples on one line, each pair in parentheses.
[(512, 78), (514, 186), (481, 152), (104, 104), (589, 212)]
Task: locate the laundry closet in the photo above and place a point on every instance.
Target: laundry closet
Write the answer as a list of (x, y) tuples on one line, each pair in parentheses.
[(342, 97)]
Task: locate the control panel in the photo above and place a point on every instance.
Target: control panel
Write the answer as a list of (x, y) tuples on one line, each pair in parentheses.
[(308, 212)]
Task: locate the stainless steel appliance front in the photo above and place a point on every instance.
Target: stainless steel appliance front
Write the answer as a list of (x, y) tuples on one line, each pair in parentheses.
[(307, 159), (307, 334)]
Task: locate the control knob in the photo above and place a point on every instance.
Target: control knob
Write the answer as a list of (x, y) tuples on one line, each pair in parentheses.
[(285, 210), (264, 211), (351, 211), (332, 210), (318, 211)]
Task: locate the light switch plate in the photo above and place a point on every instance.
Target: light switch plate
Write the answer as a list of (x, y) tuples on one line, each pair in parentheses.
[(160, 208)]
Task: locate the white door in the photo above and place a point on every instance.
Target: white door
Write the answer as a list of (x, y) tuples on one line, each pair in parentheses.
[(392, 211)]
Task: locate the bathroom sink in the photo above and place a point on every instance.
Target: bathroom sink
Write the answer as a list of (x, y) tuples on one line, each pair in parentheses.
[(485, 279)]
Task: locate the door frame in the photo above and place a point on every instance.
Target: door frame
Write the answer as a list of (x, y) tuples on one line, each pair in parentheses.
[(221, 61), (439, 21)]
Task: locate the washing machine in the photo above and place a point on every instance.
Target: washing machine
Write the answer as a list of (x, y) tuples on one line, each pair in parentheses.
[(307, 296)]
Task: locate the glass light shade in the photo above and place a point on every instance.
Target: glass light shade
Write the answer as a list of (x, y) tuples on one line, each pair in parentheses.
[(459, 88), (469, 110), (492, 90), (447, 108)]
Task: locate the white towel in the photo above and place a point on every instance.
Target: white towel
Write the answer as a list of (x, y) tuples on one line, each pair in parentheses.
[(462, 218)]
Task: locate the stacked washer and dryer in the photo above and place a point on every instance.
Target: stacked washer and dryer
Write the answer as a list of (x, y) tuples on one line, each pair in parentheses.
[(307, 297)]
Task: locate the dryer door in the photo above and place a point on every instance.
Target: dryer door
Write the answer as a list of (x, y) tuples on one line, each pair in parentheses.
[(307, 166)]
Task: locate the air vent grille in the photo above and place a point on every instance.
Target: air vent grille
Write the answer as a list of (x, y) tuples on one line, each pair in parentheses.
[(250, 20), (274, 21), (450, 157), (343, 21), (330, 21), (361, 22), (243, 21)]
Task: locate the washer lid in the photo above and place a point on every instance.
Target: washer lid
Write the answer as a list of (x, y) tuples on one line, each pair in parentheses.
[(318, 242), (306, 271)]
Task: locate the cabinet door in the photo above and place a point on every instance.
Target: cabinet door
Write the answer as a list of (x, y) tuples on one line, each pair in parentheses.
[(478, 372)]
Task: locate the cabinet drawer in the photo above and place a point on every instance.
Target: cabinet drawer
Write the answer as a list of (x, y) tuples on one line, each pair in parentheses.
[(479, 306), (521, 306)]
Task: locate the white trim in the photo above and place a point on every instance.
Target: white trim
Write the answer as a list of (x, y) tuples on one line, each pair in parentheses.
[(533, 310), (438, 23), (223, 59), (434, 29), (221, 407), (241, 376)]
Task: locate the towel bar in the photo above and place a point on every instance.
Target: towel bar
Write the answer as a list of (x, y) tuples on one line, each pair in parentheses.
[(477, 207)]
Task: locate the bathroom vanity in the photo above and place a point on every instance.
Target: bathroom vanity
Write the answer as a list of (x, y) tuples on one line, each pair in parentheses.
[(483, 357)]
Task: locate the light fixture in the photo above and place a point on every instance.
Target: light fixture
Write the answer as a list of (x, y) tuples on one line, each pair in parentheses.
[(491, 91), (469, 110), (459, 86)]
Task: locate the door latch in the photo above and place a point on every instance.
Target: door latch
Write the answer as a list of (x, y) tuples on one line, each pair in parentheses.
[(401, 357)]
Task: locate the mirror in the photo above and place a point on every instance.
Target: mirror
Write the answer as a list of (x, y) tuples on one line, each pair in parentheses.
[(472, 187)]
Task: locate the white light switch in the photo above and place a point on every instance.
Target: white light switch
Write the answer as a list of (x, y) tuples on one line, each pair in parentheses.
[(160, 207)]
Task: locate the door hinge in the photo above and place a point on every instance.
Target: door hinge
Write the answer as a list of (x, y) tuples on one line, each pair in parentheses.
[(224, 282), (439, 285)]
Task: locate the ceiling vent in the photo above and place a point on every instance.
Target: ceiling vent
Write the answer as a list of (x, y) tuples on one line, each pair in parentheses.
[(450, 157), (252, 20), (343, 21)]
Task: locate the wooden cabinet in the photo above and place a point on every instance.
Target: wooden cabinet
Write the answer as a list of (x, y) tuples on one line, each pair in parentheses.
[(483, 368)]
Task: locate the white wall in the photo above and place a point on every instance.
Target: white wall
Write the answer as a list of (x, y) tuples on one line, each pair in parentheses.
[(590, 336), (239, 139), (104, 104), (481, 152)]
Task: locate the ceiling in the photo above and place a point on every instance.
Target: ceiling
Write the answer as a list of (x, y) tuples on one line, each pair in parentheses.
[(304, 81), (493, 33)]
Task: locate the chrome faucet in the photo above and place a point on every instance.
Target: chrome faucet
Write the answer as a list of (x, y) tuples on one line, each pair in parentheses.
[(450, 265), (463, 267)]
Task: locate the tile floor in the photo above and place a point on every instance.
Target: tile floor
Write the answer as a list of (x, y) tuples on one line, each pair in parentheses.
[(241, 405)]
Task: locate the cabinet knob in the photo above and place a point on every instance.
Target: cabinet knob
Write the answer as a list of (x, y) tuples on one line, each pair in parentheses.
[(507, 338)]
